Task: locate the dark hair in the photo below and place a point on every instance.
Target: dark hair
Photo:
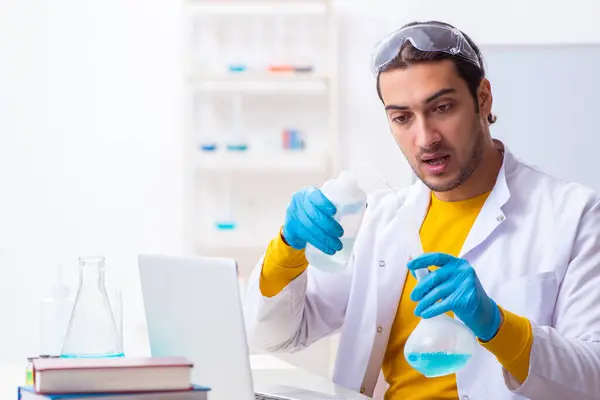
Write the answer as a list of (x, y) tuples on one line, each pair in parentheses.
[(469, 72)]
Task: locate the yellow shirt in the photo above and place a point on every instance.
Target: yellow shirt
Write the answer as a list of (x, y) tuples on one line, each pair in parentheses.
[(444, 229)]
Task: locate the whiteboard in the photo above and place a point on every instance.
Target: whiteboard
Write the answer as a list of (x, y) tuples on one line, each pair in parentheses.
[(547, 100)]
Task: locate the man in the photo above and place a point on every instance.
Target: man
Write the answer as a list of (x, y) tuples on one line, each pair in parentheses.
[(514, 254)]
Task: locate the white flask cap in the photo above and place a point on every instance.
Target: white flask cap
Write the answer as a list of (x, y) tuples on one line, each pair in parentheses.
[(347, 184)]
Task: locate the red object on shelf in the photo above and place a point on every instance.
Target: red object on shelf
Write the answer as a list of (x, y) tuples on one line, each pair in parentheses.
[(286, 139), (281, 68)]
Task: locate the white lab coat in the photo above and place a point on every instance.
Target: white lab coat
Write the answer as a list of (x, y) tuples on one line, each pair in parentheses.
[(536, 249)]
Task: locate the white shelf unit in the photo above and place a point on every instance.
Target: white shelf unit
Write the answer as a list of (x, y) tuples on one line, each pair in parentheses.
[(256, 83), (289, 80), (249, 163), (210, 29), (250, 7)]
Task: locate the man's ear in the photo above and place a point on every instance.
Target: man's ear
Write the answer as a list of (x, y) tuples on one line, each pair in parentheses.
[(484, 96)]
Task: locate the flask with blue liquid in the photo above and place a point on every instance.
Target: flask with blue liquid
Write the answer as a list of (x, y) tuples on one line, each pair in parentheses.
[(236, 141), (440, 345), (350, 202), (92, 331)]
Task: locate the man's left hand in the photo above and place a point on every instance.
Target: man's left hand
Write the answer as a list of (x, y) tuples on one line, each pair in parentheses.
[(454, 287)]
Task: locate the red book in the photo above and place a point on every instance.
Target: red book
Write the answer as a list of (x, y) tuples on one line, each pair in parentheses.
[(106, 375)]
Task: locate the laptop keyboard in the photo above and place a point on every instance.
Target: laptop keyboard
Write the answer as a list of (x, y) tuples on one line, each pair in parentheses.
[(263, 397)]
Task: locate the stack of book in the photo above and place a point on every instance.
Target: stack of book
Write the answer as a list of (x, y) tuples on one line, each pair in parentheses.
[(153, 378)]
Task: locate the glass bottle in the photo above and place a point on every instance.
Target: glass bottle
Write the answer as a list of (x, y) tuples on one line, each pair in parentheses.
[(55, 313), (350, 202), (92, 330)]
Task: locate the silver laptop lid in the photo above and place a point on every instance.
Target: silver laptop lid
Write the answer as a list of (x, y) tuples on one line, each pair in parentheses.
[(193, 309)]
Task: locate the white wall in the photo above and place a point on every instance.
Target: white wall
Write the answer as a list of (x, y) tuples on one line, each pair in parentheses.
[(25, 221), (90, 159)]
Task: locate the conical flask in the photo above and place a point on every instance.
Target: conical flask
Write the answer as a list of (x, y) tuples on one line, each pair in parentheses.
[(440, 345), (92, 330)]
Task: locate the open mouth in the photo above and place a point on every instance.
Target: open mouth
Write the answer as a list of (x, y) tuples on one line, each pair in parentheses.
[(436, 160)]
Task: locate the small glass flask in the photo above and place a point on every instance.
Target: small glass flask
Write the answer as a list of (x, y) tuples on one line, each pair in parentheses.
[(92, 331)]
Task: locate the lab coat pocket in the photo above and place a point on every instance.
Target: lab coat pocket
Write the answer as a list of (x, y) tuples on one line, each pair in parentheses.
[(530, 296)]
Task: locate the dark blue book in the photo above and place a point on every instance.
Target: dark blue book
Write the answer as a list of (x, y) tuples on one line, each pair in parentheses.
[(196, 393)]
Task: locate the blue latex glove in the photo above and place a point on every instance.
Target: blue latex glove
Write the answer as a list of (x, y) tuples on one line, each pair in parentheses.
[(309, 218), (454, 287)]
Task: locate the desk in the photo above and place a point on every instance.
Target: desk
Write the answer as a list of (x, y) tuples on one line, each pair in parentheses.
[(11, 376), (266, 371)]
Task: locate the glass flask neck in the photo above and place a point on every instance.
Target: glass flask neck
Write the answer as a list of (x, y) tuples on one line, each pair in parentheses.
[(91, 271)]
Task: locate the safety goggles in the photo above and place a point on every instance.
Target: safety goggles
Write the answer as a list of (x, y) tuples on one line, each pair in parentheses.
[(424, 37)]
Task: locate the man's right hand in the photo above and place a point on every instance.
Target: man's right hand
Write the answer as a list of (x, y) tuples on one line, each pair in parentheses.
[(309, 218)]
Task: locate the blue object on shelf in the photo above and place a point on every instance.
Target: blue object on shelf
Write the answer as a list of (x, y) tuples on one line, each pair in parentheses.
[(237, 68), (208, 147), (226, 225), (293, 139), (237, 147)]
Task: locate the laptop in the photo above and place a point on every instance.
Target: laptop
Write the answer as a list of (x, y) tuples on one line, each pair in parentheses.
[(193, 309)]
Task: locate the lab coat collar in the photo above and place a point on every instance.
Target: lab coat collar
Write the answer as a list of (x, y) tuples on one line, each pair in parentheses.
[(501, 193), (491, 214)]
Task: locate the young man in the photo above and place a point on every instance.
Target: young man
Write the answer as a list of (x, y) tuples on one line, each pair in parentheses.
[(514, 253)]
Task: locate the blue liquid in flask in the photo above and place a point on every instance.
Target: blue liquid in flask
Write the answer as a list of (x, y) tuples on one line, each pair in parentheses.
[(437, 364), (237, 147), (111, 355), (225, 225)]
